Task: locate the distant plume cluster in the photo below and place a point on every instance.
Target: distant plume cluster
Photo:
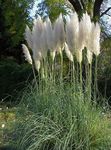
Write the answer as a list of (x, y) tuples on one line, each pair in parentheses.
[(72, 37)]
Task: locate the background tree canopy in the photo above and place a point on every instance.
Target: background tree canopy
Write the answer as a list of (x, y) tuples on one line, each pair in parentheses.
[(14, 15), (93, 7)]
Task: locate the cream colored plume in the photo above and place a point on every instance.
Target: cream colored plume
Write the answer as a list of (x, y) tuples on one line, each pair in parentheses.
[(28, 36), (78, 55), (49, 35), (75, 23), (37, 64), (36, 34), (69, 34), (89, 56), (59, 33), (81, 38), (72, 32), (53, 53), (68, 53), (43, 41), (86, 26), (27, 54), (95, 39), (38, 25)]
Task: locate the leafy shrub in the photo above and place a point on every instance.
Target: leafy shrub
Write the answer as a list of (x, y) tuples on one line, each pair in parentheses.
[(13, 79)]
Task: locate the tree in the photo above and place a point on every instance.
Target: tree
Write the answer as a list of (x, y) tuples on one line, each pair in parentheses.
[(91, 6), (53, 8), (13, 19)]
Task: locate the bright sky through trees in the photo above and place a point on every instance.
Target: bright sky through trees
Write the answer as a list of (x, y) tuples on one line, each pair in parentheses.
[(107, 16), (33, 11)]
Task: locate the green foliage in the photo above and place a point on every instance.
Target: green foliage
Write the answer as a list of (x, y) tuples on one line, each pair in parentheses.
[(104, 68), (53, 8), (14, 17), (13, 79), (58, 119)]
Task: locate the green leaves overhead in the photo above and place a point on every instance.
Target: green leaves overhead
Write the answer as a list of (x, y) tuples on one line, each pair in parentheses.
[(14, 16), (53, 8)]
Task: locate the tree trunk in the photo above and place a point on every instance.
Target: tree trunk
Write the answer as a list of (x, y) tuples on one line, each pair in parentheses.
[(96, 10), (79, 7)]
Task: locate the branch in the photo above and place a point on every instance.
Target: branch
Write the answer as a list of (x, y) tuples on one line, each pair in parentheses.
[(105, 12), (108, 15)]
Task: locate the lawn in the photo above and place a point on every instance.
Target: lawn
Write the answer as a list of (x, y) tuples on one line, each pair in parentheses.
[(7, 121)]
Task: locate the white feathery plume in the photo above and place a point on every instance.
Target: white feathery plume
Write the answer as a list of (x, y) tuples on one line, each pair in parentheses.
[(81, 38), (77, 47), (78, 55), (75, 23), (37, 64), (68, 53), (69, 34), (28, 36), (95, 39), (38, 25), (59, 33), (49, 34), (36, 34), (89, 56), (43, 41), (53, 53), (72, 31), (86, 28), (27, 54)]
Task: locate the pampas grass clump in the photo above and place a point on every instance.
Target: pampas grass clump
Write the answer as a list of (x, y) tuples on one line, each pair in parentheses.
[(58, 112), (56, 38), (53, 36)]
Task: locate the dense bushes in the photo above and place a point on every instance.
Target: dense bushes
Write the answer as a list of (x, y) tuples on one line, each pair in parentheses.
[(13, 79)]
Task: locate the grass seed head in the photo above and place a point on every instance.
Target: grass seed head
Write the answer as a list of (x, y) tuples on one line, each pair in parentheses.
[(27, 54), (68, 52), (28, 36)]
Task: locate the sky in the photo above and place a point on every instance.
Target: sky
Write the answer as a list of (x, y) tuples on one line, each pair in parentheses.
[(32, 13), (107, 19)]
